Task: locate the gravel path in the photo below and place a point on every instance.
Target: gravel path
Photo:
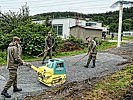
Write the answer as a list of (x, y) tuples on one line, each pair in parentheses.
[(27, 78)]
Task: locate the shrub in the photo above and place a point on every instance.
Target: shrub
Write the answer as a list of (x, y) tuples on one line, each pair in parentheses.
[(3, 57)]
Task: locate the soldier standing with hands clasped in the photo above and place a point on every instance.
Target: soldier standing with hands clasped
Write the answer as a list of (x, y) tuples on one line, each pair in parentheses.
[(13, 61), (92, 52), (49, 43)]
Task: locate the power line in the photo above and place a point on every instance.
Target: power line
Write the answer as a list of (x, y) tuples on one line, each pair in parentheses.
[(55, 5), (70, 1), (86, 7), (64, 5), (68, 4), (61, 4), (72, 5), (74, 8)]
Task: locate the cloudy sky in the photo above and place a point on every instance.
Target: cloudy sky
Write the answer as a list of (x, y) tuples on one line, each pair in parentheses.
[(43, 6)]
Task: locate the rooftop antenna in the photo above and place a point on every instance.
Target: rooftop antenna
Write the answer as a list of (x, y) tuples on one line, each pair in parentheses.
[(120, 3)]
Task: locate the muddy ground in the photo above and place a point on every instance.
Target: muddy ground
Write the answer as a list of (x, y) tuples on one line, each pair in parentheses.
[(75, 90)]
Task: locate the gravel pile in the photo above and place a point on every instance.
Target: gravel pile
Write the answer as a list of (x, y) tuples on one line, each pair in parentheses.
[(126, 51)]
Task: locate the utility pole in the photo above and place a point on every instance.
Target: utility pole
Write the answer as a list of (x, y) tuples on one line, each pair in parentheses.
[(0, 9), (120, 24), (120, 17)]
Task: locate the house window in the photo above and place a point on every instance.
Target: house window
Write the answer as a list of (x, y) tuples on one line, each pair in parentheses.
[(58, 28), (90, 24)]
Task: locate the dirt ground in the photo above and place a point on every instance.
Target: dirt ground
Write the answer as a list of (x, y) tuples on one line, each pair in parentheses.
[(75, 90)]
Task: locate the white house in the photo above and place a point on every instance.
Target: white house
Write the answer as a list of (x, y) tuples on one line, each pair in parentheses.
[(62, 25)]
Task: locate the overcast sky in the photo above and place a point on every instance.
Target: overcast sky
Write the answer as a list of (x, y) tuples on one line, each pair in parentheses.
[(43, 6)]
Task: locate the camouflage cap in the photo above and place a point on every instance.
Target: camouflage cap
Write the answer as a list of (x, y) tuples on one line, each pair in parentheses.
[(15, 38), (49, 32)]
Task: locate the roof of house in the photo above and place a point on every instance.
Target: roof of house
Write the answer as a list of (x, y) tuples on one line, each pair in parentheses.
[(90, 28)]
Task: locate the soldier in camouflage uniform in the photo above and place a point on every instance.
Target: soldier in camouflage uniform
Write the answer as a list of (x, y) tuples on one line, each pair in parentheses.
[(49, 43), (92, 52), (13, 61)]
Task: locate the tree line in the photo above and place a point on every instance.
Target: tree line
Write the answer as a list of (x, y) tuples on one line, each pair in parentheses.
[(110, 19)]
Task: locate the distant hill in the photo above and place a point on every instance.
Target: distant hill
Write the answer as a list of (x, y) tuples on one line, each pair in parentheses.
[(107, 19)]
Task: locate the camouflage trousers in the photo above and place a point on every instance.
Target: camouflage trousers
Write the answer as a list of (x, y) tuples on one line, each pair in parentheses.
[(93, 58), (48, 53), (12, 81)]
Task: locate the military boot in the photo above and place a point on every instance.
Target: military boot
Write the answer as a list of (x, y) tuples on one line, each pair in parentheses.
[(93, 64), (87, 65), (15, 89), (4, 92), (43, 60)]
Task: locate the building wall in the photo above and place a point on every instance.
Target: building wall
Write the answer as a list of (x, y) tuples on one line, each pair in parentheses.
[(65, 26), (67, 23), (82, 33)]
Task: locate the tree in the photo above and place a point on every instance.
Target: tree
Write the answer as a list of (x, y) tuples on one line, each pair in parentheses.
[(127, 24), (48, 22), (12, 20), (19, 24), (113, 27)]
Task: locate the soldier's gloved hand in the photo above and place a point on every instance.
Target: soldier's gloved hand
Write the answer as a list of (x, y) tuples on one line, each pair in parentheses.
[(28, 64), (88, 53)]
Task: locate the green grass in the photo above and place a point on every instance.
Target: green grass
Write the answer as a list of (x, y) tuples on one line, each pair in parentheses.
[(123, 38), (112, 86), (3, 57), (106, 45), (128, 38)]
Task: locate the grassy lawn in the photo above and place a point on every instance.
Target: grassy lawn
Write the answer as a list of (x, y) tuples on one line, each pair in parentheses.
[(105, 45), (128, 38), (112, 87), (123, 38)]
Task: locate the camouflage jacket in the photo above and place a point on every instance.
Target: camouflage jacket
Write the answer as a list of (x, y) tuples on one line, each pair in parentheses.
[(92, 47), (49, 42), (13, 56)]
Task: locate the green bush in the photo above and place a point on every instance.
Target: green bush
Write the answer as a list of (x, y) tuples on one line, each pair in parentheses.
[(32, 38), (5, 40), (3, 57)]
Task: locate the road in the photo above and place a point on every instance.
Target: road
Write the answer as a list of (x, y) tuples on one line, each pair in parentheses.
[(27, 78)]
